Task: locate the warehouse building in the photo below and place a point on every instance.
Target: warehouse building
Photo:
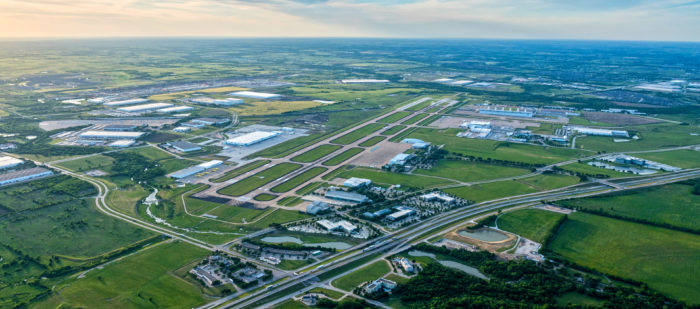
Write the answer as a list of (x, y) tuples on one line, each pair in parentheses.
[(175, 109), (122, 143), (401, 213), (356, 182), (24, 175), (182, 129), (185, 146), (192, 170), (400, 159), (507, 112), (342, 225), (601, 132), (126, 102), (110, 135), (120, 127), (431, 197), (144, 107), (365, 81), (252, 138), (346, 196), (7, 162), (210, 101), (256, 95), (211, 121), (317, 207), (416, 143)]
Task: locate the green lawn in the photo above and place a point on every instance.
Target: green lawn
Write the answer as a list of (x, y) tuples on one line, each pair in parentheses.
[(670, 204), (330, 293), (471, 171), (533, 224), (316, 153), (341, 157), (372, 141), (389, 178), (293, 264), (241, 170), (260, 179), (506, 188), (298, 180), (99, 161), (395, 117), (358, 134), (371, 272), (393, 130), (664, 259), (414, 119), (290, 201), (153, 153), (653, 136), (264, 197), (680, 158), (144, 279), (430, 120)]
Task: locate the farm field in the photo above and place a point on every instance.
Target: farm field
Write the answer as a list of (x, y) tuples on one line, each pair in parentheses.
[(371, 272), (260, 179), (659, 257), (533, 224), (671, 204), (466, 171), (144, 279), (389, 178), (316, 153), (298, 180), (241, 170), (342, 157), (358, 134)]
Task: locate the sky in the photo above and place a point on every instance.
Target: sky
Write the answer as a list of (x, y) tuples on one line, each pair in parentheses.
[(647, 20)]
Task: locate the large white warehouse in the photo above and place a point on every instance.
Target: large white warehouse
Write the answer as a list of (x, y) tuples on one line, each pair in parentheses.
[(23, 175), (252, 138), (601, 132), (175, 109), (144, 107), (126, 102), (256, 95), (110, 135), (365, 81), (7, 162), (225, 102)]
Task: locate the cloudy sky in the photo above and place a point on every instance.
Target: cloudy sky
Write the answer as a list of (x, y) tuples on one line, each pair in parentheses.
[(666, 20)]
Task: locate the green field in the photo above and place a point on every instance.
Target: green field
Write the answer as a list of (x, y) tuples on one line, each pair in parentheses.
[(371, 272), (429, 120), (152, 153), (592, 170), (506, 188), (393, 130), (653, 136), (316, 153), (672, 204), (100, 162), (260, 179), (240, 170), (144, 279), (372, 141), (341, 157), (680, 158), (298, 180), (389, 178), (264, 197), (289, 201), (663, 259), (395, 117), (466, 171), (358, 134), (414, 119), (533, 224)]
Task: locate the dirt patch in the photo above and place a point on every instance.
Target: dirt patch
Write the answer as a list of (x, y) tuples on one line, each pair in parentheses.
[(380, 154), (488, 246), (558, 209), (617, 119)]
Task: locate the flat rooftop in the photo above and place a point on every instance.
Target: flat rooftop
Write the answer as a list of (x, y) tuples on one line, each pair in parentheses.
[(144, 107), (23, 173), (111, 134)]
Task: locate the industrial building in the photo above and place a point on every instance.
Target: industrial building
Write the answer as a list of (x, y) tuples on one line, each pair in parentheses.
[(377, 214), (7, 162), (317, 207), (110, 135), (211, 121), (23, 175), (120, 127), (182, 129), (507, 112), (185, 146), (401, 213), (400, 159), (175, 109), (252, 138), (126, 102), (256, 95), (187, 172), (380, 284), (210, 101), (600, 132), (144, 107), (342, 225), (346, 196), (122, 143), (356, 182), (416, 143), (364, 81)]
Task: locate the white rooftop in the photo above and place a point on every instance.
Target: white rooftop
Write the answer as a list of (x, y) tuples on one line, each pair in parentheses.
[(252, 137), (122, 143), (7, 161), (144, 107), (175, 109), (127, 134), (256, 95)]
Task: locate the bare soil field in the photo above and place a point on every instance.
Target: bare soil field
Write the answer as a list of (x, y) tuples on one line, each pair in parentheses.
[(380, 155)]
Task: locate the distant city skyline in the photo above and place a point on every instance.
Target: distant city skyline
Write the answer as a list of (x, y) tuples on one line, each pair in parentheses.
[(669, 20)]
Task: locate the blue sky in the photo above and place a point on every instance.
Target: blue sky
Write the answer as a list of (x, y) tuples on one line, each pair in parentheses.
[(665, 20)]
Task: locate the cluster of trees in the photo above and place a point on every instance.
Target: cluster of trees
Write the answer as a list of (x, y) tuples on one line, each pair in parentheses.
[(512, 284), (135, 166), (580, 175)]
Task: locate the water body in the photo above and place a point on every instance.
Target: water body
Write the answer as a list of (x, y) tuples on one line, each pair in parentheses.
[(451, 264), (486, 235), (282, 239)]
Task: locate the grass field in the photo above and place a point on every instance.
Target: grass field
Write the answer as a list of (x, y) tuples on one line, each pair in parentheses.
[(505, 188), (144, 279), (264, 197), (241, 170), (471, 171), (174, 95), (358, 134), (672, 204), (260, 179), (341, 157), (290, 201), (316, 153), (414, 119), (395, 117), (152, 153), (393, 130), (533, 224), (99, 161), (389, 178), (372, 141), (664, 259), (258, 108), (679, 158), (592, 170), (429, 120), (653, 136), (330, 293), (371, 272), (298, 180)]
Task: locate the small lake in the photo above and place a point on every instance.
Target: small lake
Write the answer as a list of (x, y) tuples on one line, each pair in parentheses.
[(486, 235), (451, 264), (339, 245)]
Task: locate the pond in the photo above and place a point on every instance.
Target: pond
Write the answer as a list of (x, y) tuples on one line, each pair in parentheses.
[(451, 264), (282, 239), (487, 235)]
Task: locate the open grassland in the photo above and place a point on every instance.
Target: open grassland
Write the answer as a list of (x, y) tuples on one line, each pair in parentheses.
[(358, 134), (495, 149), (393, 130), (316, 153), (240, 170), (545, 182), (505, 188), (151, 153), (260, 179), (670, 204), (259, 108), (664, 259), (395, 117), (371, 272), (126, 199), (144, 279), (100, 162), (388, 178), (236, 214), (533, 224), (592, 170), (414, 119), (372, 141), (653, 136), (679, 158), (466, 171), (341, 157), (298, 180)]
